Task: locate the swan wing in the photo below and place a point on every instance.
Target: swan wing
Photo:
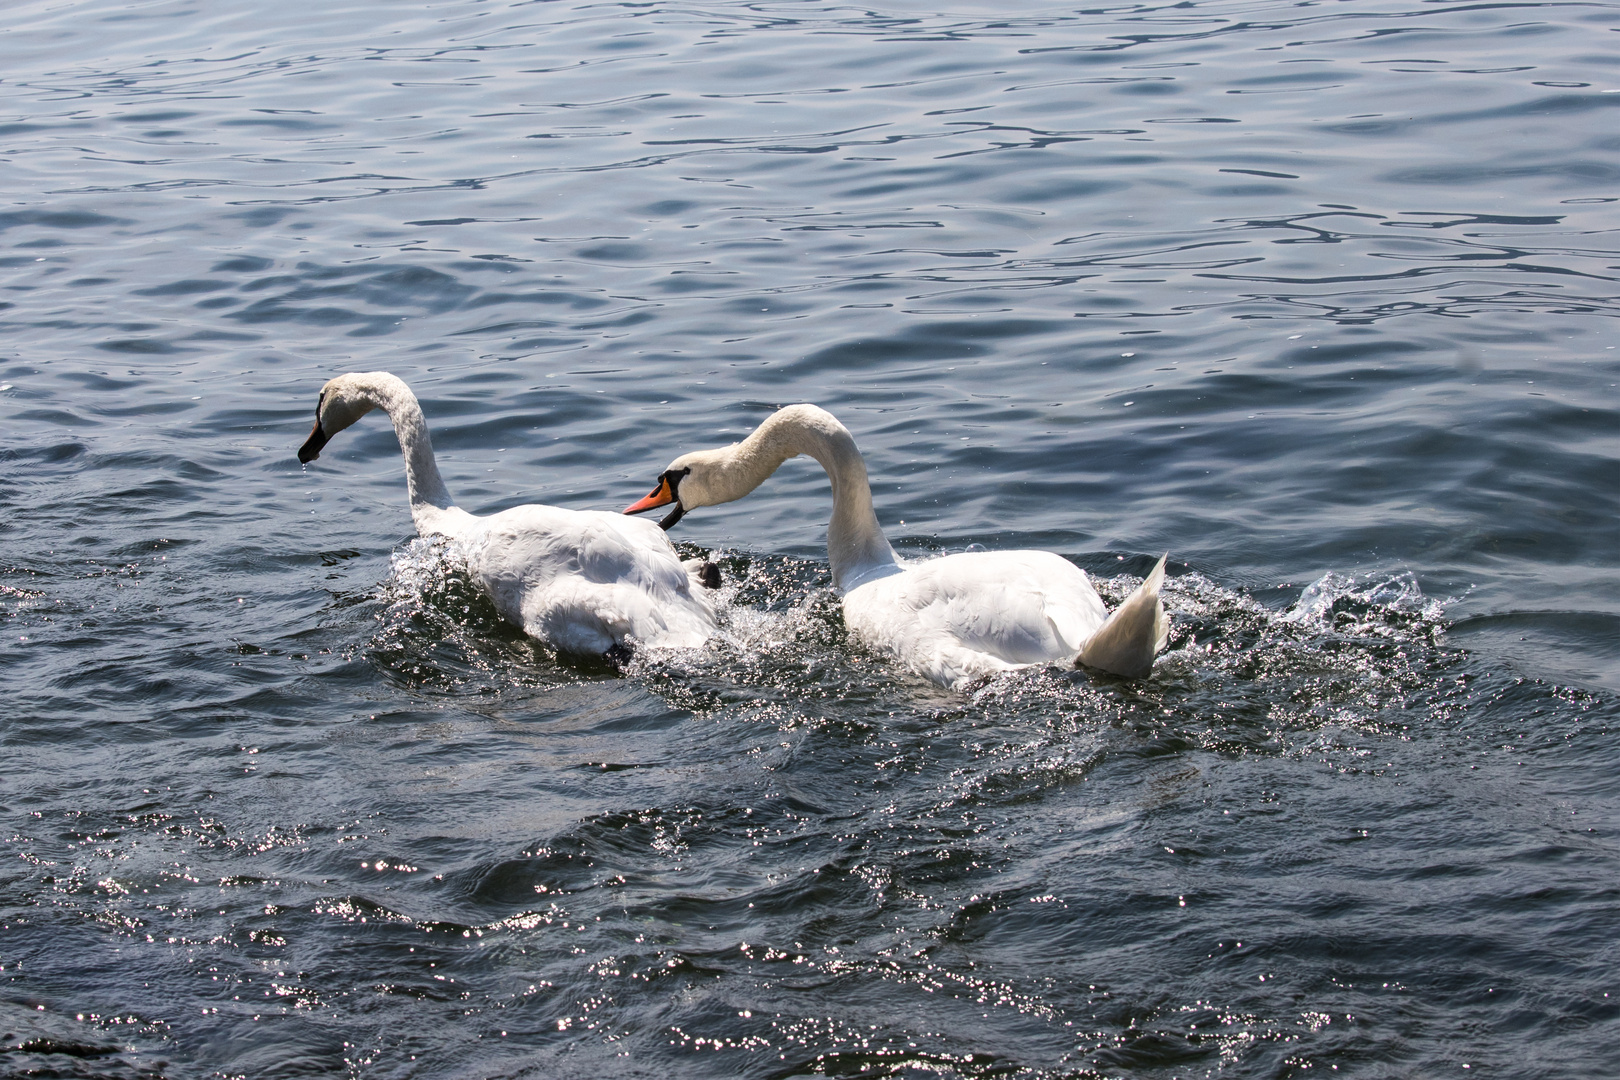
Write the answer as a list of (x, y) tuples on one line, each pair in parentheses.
[(963, 616), (585, 581)]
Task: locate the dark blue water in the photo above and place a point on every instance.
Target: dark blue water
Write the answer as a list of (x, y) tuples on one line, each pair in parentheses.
[(1318, 297)]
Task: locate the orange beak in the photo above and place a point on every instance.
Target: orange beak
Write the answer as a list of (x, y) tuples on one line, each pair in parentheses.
[(661, 496)]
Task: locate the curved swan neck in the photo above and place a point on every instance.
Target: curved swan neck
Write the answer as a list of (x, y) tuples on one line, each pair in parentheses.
[(430, 499), (856, 546)]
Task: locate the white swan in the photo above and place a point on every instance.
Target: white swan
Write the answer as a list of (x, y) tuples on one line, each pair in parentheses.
[(952, 619), (583, 581)]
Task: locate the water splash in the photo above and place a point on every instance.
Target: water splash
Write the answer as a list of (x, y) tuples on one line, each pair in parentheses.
[(1333, 594)]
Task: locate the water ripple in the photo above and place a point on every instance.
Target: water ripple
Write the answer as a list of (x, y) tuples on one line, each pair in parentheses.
[(1319, 299)]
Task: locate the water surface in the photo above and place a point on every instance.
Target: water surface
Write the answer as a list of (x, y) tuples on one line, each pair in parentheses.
[(1318, 297)]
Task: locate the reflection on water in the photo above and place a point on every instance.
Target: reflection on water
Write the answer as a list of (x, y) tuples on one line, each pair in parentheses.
[(1318, 299)]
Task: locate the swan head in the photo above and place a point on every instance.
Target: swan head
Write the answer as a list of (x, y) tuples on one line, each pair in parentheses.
[(692, 480), (343, 400)]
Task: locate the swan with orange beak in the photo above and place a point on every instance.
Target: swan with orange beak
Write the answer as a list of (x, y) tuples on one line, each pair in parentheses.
[(954, 619)]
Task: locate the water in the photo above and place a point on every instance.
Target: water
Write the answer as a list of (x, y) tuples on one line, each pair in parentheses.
[(1319, 298)]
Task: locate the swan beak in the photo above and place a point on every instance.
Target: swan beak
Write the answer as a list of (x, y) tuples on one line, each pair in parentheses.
[(312, 445), (660, 496)]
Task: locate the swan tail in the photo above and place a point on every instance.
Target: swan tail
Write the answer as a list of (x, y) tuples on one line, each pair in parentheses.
[(1133, 635)]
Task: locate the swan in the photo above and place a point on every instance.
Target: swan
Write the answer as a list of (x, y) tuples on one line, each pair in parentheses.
[(583, 581), (953, 619)]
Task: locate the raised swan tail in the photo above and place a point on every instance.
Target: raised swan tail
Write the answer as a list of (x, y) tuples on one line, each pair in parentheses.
[(1133, 635)]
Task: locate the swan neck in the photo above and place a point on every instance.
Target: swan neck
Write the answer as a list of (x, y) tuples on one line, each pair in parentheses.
[(430, 499), (856, 546)]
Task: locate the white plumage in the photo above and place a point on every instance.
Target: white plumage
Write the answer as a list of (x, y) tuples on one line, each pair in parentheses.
[(952, 619), (583, 581), (960, 617)]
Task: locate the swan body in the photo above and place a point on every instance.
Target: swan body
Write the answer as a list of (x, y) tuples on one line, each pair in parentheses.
[(952, 619), (583, 581)]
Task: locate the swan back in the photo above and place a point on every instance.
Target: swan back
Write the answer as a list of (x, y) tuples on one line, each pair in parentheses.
[(585, 580), (961, 617)]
